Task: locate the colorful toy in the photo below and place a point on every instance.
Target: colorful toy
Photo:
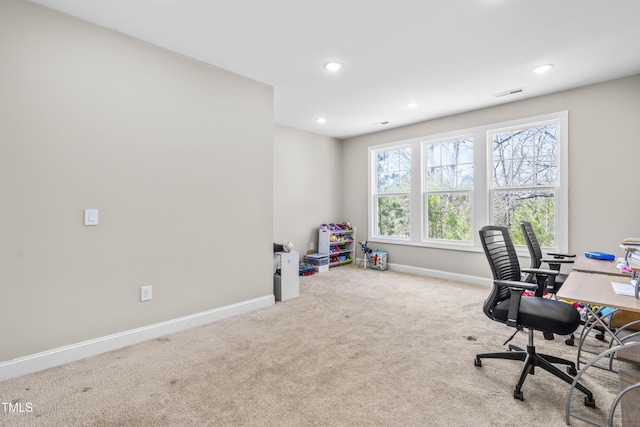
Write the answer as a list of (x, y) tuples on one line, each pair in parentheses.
[(378, 260)]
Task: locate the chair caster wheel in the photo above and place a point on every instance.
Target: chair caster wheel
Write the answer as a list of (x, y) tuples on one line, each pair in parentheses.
[(591, 403), (600, 337), (572, 371), (477, 362), (519, 395), (569, 342)]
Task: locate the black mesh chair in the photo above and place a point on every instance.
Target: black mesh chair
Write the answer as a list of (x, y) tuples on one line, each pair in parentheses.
[(506, 304), (537, 259), (554, 283)]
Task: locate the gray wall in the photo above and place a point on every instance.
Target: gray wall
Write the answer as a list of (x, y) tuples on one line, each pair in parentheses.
[(193, 181), (308, 186), (176, 155), (604, 151)]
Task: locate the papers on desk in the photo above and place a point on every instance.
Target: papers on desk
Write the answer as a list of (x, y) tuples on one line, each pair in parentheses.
[(625, 288)]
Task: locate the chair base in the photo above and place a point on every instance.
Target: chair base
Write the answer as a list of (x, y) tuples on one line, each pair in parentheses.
[(532, 359)]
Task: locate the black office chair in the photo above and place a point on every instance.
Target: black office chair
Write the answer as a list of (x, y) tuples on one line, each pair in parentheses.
[(555, 263), (506, 304), (554, 283)]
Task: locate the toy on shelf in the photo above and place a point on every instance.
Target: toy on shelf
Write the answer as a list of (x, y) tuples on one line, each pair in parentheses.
[(337, 240)]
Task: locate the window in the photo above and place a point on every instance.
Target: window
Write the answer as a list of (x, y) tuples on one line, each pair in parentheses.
[(392, 197), (449, 185), (525, 180), (437, 191)]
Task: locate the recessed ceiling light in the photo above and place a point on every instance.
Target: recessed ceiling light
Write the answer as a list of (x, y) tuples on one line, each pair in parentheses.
[(333, 66), (411, 105), (541, 69), (321, 120)]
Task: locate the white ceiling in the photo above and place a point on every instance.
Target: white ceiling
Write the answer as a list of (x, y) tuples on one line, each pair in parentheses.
[(449, 56)]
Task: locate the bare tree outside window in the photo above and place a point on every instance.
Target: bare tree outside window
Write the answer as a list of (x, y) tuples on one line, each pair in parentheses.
[(525, 180), (449, 183)]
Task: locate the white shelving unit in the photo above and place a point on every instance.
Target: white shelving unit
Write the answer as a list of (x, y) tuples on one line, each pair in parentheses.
[(339, 242)]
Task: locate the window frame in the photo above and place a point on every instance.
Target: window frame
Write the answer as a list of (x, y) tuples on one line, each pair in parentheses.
[(373, 188), (427, 192), (482, 194)]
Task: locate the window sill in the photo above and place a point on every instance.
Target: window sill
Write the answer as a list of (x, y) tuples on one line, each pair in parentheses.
[(462, 247)]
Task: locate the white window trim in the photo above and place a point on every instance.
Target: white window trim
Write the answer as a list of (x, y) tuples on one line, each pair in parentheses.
[(436, 242), (481, 196), (373, 221)]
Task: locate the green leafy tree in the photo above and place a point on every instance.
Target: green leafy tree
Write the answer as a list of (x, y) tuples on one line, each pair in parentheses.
[(449, 217), (449, 182), (536, 207), (525, 179), (393, 216)]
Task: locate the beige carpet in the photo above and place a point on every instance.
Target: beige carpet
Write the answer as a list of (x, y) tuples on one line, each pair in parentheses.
[(357, 348)]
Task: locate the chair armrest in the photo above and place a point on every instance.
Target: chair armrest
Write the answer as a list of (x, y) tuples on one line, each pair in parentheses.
[(516, 290), (561, 255), (540, 271), (516, 285), (557, 260)]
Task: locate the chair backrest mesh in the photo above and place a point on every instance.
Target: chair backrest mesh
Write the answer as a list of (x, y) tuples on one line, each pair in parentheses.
[(503, 260), (532, 243)]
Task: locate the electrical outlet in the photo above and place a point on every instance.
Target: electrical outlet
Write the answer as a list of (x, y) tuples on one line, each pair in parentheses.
[(311, 246), (145, 293)]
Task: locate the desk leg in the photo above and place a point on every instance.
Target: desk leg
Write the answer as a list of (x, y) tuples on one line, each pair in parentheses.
[(586, 330), (632, 415), (609, 353)]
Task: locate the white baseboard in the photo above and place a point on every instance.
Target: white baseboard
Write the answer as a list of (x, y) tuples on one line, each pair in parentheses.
[(62, 355), (446, 275)]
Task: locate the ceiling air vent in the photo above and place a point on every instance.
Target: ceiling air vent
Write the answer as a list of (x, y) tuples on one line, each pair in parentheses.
[(508, 92)]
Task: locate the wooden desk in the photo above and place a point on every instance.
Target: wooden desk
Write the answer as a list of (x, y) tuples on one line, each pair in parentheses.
[(596, 289), (590, 265)]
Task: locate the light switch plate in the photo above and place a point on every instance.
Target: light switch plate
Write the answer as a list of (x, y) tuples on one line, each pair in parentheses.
[(145, 293), (91, 217)]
